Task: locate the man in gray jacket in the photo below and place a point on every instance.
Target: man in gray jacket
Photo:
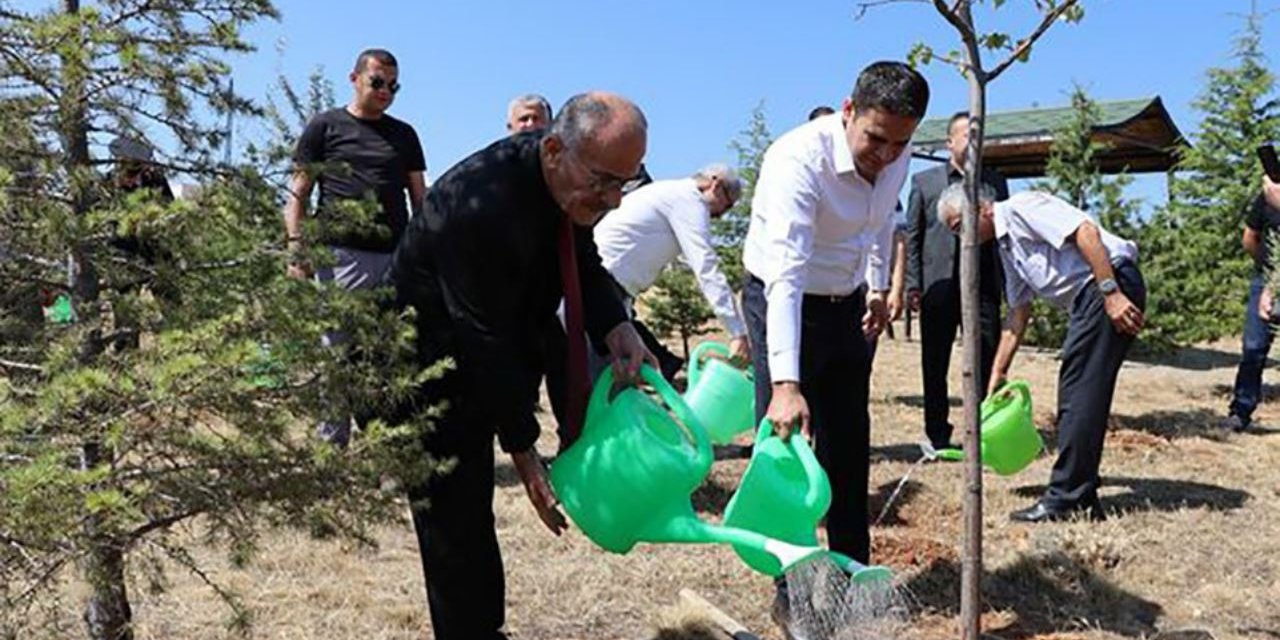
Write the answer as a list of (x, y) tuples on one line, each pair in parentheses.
[(933, 281)]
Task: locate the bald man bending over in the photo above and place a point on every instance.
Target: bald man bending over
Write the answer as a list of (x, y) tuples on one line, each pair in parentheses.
[(482, 267)]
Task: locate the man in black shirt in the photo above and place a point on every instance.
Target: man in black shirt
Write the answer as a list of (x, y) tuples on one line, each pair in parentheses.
[(1262, 219), (933, 281), (359, 154), (482, 266)]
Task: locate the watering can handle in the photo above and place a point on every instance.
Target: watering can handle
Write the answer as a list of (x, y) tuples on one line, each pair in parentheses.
[(800, 447), (692, 425), (698, 358)]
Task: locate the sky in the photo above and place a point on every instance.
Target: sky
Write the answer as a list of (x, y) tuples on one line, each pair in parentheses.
[(698, 69)]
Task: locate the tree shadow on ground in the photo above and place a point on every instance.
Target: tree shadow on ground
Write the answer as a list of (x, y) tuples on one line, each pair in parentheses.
[(896, 453), (916, 400), (1049, 593), (712, 496), (892, 517), (1191, 358), (1174, 425), (1159, 494), (504, 473)]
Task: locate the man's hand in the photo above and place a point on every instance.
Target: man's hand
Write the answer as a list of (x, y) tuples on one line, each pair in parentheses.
[(1266, 303), (740, 352), (534, 477), (1125, 316), (913, 300), (877, 315), (628, 353), (897, 305), (998, 379), (1271, 192), (298, 271), (788, 410)]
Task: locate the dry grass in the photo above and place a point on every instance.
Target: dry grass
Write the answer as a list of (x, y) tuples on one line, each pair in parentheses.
[(1192, 548)]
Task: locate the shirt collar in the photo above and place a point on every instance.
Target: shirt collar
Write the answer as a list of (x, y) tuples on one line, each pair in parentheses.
[(842, 157)]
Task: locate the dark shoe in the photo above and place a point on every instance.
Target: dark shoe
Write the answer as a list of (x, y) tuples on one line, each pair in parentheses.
[(1042, 512), (1235, 424)]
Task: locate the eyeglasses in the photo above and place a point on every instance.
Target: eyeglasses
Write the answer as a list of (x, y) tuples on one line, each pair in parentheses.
[(378, 83), (600, 181)]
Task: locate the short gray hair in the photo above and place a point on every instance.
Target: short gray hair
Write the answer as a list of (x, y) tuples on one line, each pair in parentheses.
[(586, 113), (954, 198), (529, 98), (728, 177)]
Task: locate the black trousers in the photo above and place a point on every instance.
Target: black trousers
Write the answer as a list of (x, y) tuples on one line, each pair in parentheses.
[(1091, 359), (453, 518), (834, 378), (939, 321)]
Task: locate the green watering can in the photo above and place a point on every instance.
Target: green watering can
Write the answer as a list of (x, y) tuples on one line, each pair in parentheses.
[(1010, 441), (720, 394), (783, 495), (628, 477)]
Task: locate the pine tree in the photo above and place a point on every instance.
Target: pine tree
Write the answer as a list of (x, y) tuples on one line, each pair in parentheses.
[(1194, 265), (676, 306), (151, 408), (730, 231)]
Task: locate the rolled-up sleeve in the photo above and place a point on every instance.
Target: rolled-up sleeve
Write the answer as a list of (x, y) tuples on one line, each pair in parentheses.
[(786, 200)]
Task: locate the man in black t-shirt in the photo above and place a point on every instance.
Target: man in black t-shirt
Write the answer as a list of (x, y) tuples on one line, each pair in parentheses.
[(1262, 219), (358, 154)]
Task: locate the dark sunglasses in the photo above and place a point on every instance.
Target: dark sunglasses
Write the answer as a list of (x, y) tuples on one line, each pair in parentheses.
[(378, 83)]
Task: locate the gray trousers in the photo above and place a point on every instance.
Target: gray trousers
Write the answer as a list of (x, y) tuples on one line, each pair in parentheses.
[(352, 270), (1091, 359)]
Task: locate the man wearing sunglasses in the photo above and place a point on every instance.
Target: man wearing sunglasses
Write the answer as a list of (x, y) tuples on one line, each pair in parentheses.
[(366, 162), (504, 235)]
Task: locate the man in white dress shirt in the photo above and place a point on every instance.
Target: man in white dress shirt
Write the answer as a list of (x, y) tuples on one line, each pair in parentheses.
[(821, 234), (1055, 251), (670, 219)]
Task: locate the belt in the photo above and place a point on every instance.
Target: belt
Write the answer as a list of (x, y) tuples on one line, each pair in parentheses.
[(825, 298)]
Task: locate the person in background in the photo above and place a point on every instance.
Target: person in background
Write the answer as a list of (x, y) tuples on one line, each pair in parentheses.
[(528, 112), (933, 281), (819, 111), (666, 220), (1055, 251), (1260, 224), (357, 153)]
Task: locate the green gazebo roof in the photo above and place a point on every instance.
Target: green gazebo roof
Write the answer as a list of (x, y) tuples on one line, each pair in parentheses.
[(1140, 135)]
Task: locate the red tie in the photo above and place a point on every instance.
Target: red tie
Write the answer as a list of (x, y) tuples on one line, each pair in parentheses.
[(577, 351)]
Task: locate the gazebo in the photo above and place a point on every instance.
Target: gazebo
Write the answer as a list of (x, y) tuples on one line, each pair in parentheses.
[(1139, 134)]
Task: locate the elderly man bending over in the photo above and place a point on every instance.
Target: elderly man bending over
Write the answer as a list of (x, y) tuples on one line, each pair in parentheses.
[(1053, 250), (670, 219)]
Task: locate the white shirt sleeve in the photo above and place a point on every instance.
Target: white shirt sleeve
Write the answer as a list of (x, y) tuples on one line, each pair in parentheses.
[(693, 233), (787, 195), (1049, 218), (880, 258), (1016, 290)]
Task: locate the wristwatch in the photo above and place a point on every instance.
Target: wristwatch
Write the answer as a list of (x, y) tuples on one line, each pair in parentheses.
[(1108, 286)]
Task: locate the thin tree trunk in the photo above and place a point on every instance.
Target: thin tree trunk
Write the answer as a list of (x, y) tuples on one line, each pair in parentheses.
[(971, 560), (107, 614)]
